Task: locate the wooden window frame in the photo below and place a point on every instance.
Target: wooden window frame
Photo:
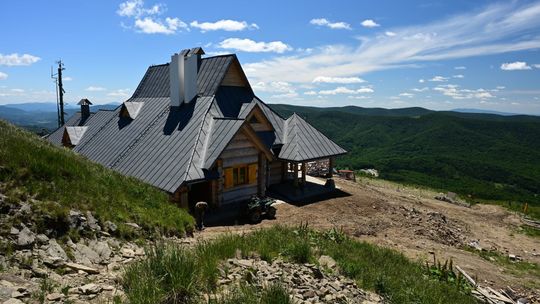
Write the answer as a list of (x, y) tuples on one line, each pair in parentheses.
[(240, 175)]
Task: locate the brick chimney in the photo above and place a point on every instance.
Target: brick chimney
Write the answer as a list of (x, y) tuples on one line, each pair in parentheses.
[(85, 108)]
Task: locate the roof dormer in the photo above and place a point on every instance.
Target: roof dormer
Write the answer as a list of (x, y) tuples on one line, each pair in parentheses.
[(131, 109), (73, 135)]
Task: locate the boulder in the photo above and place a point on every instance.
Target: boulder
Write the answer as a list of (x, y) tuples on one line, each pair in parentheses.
[(13, 301), (84, 268), (90, 289), (55, 296), (92, 222), (102, 249), (42, 239), (110, 227), (55, 251), (26, 238), (326, 261), (85, 255)]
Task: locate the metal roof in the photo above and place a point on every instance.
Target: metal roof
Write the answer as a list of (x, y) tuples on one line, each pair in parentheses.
[(166, 146), (303, 142), (75, 134)]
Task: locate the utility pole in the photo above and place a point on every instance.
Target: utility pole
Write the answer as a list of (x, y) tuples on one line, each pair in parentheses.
[(59, 92)]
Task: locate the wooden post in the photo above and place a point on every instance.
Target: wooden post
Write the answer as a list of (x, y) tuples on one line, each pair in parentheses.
[(303, 173), (331, 162), (184, 199), (295, 180), (284, 167), (261, 175), (220, 182)]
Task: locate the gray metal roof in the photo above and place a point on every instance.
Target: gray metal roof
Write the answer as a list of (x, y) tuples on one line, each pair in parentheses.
[(166, 146), (303, 142)]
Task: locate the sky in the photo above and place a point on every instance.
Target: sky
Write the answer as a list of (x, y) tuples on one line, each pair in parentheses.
[(439, 55)]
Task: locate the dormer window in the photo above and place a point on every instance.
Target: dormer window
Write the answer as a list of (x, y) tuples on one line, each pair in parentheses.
[(72, 136), (131, 109)]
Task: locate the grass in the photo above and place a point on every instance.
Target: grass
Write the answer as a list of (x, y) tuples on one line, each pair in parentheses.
[(248, 294), (59, 179), (168, 271)]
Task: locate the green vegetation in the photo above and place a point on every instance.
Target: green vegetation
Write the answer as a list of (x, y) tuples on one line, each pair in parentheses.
[(59, 179), (485, 156), (248, 294), (172, 272)]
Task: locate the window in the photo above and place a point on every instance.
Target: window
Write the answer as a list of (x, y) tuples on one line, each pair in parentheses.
[(240, 175)]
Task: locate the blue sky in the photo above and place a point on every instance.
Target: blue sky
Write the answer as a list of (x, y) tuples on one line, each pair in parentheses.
[(434, 54)]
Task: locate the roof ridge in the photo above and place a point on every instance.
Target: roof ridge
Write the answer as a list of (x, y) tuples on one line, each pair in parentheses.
[(97, 131), (138, 138), (190, 160)]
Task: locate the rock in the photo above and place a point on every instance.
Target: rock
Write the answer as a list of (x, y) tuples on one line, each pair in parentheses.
[(14, 231), (133, 225), (13, 301), (127, 253), (92, 222), (90, 289), (84, 268), (26, 238), (55, 251), (55, 296), (85, 255), (326, 261), (523, 301), (17, 294), (102, 249), (110, 227), (76, 220), (42, 239)]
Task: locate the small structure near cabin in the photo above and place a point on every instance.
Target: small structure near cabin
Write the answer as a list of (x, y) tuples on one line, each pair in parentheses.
[(195, 129), (347, 174)]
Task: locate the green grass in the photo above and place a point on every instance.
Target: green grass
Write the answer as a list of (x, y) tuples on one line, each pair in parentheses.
[(62, 180), (386, 271)]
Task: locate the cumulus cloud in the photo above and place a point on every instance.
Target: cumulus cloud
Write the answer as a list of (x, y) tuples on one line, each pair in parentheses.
[(370, 23), (135, 8), (148, 25), (18, 60), (3, 76), (223, 25), (455, 92), (515, 66), (273, 87), (248, 45), (405, 94), (95, 89), (420, 89), (494, 29), (345, 90), (344, 80), (67, 78), (460, 68), (458, 76), (332, 25), (537, 66), (390, 34), (439, 79)]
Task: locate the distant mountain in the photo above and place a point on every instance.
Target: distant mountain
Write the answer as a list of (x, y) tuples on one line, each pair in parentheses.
[(480, 111), (37, 116), (488, 156)]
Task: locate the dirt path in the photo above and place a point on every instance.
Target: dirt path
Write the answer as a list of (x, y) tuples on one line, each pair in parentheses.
[(411, 221)]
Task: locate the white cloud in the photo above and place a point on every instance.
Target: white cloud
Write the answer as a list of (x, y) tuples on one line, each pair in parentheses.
[(515, 66), (332, 25), (285, 95), (95, 89), (439, 79), (408, 95), (344, 80), (500, 87), (122, 93), (310, 93), (536, 66), (344, 90), (248, 45), (458, 76), (370, 23), (273, 87), (497, 28), (455, 92), (390, 34), (223, 25), (421, 80), (16, 60), (17, 90), (460, 68), (148, 25), (3, 76), (67, 78), (135, 8), (420, 89)]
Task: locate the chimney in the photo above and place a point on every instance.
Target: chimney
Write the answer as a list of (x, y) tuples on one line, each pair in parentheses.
[(183, 71), (85, 109)]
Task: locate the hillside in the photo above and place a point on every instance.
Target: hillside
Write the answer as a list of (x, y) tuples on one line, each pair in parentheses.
[(54, 181), (486, 156)]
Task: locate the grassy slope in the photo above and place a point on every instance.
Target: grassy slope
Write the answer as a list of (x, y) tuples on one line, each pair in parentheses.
[(385, 271), (488, 156), (32, 168)]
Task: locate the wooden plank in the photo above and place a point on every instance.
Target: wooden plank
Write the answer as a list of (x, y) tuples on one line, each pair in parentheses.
[(239, 143), (231, 153), (473, 283), (234, 161)]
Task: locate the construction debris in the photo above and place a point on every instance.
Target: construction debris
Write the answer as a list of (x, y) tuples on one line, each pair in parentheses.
[(451, 198)]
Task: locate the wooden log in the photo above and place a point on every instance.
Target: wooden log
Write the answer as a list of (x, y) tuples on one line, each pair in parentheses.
[(473, 283)]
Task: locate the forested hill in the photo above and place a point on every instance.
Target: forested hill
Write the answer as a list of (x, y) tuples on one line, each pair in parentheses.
[(485, 155)]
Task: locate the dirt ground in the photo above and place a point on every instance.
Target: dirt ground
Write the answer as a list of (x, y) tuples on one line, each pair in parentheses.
[(411, 221)]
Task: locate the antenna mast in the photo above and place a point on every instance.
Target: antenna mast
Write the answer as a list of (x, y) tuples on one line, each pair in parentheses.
[(59, 92)]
